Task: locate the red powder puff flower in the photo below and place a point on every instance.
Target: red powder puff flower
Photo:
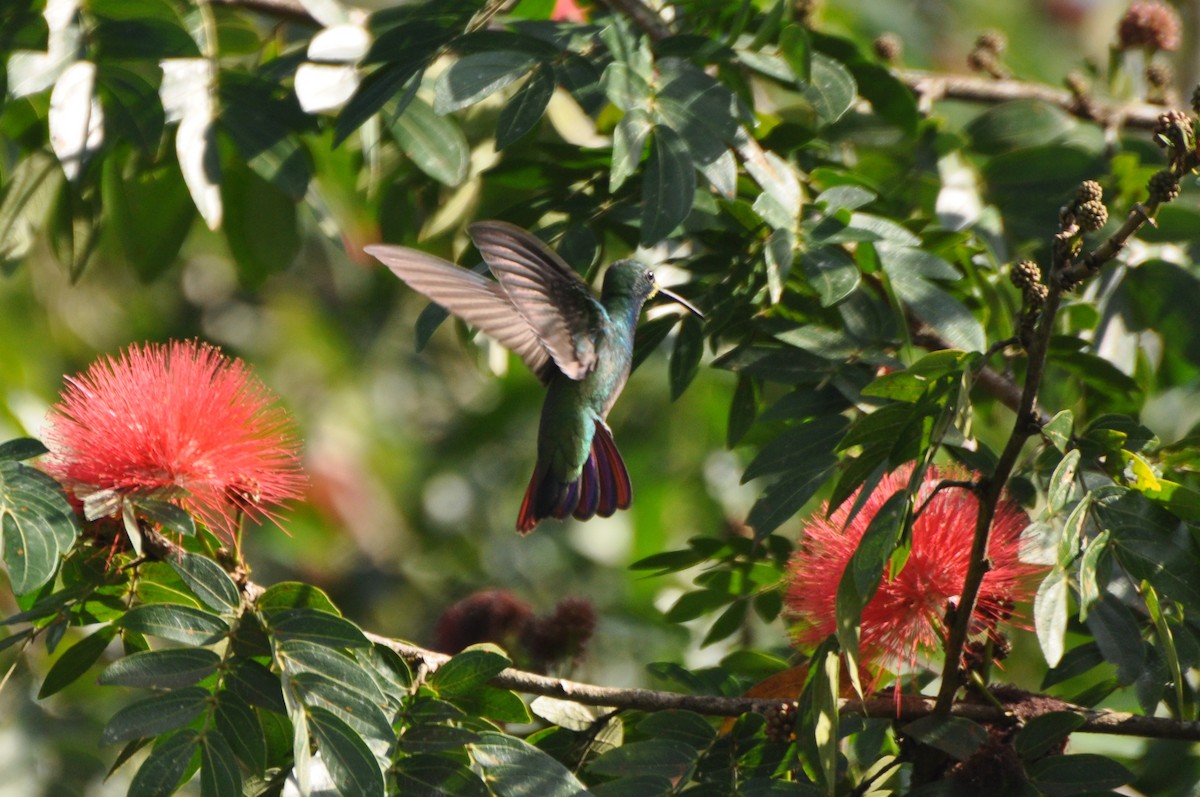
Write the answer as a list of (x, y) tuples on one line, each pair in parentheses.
[(178, 422), (905, 619)]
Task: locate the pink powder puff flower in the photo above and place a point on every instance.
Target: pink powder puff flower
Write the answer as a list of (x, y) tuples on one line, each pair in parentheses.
[(178, 422), (905, 619), (568, 11)]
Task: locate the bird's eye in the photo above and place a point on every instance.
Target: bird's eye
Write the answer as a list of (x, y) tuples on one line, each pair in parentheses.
[(650, 276)]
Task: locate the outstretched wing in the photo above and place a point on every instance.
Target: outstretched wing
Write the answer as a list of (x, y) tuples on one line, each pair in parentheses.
[(477, 300), (549, 295)]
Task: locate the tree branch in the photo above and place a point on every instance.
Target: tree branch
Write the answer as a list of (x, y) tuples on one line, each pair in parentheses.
[(1067, 271), (932, 87), (910, 707)]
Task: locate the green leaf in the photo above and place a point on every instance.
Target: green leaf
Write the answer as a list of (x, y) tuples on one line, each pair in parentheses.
[(170, 517), (140, 29), (76, 660), (435, 144), (208, 580), (727, 624), (361, 714), (162, 770), (778, 254), (796, 49), (150, 211), (478, 75), (37, 524), (807, 448), (957, 736), (32, 185), (1076, 661), (668, 185), (624, 87), (315, 626), (683, 726), (296, 655), (264, 123), (436, 775), (1078, 774), (1058, 430), (162, 669), (1089, 583), (514, 768), (1167, 648), (261, 226), (295, 595), (255, 684), (177, 623), (219, 773), (472, 668), (1062, 481), (1050, 615), (498, 705), (831, 272), (156, 715), (1119, 638), (1018, 124), (663, 757), (785, 498), (685, 357), (350, 761), (238, 723), (379, 87), (946, 314), (629, 141), (526, 107), (863, 572), (1144, 541), (830, 88), (22, 448), (1045, 733), (430, 738), (822, 696)]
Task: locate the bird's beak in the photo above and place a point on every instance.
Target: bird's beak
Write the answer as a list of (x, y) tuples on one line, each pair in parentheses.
[(675, 297)]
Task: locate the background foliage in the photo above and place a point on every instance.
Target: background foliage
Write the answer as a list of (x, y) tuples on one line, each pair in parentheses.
[(212, 170)]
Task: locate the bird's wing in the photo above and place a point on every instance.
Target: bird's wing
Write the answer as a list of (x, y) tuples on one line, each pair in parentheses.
[(555, 302), (477, 300)]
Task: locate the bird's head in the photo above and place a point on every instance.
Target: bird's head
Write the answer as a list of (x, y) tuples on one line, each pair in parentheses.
[(630, 279)]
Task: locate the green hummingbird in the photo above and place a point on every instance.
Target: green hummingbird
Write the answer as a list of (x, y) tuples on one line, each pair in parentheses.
[(579, 346)]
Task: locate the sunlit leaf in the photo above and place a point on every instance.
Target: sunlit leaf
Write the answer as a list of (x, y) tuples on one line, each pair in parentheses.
[(37, 523)]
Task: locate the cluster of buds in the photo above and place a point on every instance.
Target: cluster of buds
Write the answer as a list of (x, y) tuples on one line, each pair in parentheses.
[(781, 720), (1150, 26), (1088, 208), (1176, 133), (888, 47), (500, 617), (985, 55), (1027, 277)]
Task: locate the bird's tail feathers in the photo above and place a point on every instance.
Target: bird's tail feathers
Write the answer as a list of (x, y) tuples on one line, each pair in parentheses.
[(601, 489)]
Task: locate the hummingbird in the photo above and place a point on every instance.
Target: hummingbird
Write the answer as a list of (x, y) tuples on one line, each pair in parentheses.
[(578, 345)]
